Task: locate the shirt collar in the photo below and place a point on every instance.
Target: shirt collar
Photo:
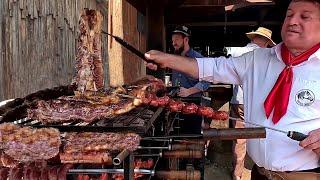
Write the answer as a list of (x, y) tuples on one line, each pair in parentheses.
[(189, 53), (252, 45), (277, 50)]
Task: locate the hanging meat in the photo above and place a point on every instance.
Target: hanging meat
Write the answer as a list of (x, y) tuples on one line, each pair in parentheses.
[(89, 65)]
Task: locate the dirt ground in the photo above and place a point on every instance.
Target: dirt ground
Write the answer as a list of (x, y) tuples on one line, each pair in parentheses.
[(219, 162)]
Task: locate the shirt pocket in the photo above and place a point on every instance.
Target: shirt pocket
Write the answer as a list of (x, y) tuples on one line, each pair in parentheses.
[(304, 100)]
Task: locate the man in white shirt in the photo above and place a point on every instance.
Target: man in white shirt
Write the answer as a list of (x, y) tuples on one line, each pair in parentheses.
[(281, 89), (261, 38)]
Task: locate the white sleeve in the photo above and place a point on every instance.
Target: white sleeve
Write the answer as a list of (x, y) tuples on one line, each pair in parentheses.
[(224, 70)]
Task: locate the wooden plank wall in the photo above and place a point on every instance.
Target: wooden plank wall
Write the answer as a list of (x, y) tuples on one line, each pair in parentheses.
[(38, 43), (124, 67)]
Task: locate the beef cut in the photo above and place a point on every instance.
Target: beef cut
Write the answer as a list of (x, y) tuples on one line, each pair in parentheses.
[(89, 65)]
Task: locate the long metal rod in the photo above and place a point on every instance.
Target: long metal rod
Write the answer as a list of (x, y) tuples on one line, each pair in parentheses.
[(112, 171), (146, 147), (255, 124), (175, 136)]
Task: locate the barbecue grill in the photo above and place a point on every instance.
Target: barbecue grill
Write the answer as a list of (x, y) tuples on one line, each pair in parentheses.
[(155, 126)]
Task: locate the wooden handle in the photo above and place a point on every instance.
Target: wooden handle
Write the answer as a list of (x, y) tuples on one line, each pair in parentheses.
[(191, 154), (179, 175), (234, 133)]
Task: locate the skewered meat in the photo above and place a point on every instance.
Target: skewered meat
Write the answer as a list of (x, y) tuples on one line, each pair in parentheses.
[(190, 108), (207, 112), (163, 101), (176, 106), (89, 66), (154, 102), (220, 115)]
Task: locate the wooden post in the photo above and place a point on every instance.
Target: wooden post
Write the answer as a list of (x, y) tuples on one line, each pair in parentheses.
[(124, 66)]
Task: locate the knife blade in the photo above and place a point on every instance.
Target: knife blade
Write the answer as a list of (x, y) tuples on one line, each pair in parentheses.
[(130, 48)]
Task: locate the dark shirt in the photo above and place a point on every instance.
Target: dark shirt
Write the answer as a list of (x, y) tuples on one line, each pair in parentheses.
[(183, 80)]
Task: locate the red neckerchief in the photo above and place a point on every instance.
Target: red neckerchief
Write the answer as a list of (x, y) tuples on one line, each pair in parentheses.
[(278, 98)]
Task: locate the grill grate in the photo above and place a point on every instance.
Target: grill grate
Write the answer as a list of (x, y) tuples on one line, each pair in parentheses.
[(139, 120)]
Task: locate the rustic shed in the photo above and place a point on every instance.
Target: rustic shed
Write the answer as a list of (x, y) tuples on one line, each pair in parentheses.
[(146, 24), (38, 43)]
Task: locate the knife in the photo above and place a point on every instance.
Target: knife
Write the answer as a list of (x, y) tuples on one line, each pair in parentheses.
[(130, 47)]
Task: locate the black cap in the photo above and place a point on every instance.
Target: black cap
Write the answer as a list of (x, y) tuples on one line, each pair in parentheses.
[(183, 30)]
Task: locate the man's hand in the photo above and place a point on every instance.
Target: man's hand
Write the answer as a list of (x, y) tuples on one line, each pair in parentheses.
[(158, 57), (312, 142), (184, 92), (183, 64)]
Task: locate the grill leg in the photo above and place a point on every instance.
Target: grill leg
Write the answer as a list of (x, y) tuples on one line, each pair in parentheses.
[(129, 167)]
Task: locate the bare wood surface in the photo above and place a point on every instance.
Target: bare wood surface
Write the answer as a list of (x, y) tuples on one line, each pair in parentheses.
[(179, 175), (124, 67), (234, 133), (38, 44), (191, 154)]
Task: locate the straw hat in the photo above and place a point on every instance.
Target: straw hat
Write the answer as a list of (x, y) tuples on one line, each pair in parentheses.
[(262, 32)]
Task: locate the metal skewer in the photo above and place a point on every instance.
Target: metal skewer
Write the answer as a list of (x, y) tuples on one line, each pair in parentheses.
[(298, 136)]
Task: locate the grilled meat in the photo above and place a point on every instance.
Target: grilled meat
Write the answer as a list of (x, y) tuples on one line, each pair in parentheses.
[(190, 108), (90, 141), (27, 144), (207, 112), (89, 65)]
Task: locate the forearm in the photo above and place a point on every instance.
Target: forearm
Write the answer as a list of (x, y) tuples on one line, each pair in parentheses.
[(193, 90), (183, 64)]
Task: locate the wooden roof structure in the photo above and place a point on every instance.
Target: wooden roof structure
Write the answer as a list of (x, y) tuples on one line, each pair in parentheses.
[(182, 11), (207, 19), (207, 13)]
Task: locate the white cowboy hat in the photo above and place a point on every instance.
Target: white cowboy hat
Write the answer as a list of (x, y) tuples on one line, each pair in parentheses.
[(261, 31)]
